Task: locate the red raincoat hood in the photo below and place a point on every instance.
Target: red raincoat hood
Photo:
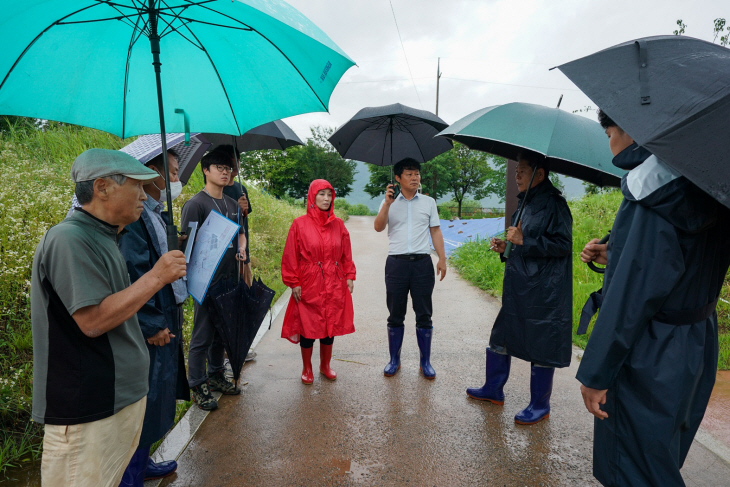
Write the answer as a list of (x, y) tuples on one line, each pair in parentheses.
[(319, 216)]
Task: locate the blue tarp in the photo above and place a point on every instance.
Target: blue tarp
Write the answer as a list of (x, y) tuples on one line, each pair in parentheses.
[(456, 232)]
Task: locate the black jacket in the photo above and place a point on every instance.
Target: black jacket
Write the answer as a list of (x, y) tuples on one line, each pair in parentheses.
[(535, 322)]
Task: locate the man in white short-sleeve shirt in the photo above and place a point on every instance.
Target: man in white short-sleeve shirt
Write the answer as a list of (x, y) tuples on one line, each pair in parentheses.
[(410, 218)]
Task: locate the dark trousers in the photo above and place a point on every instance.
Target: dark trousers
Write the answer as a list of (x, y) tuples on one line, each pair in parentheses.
[(206, 345), (417, 277), (309, 342)]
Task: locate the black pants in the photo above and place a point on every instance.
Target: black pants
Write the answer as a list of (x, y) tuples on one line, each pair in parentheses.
[(309, 342), (415, 276)]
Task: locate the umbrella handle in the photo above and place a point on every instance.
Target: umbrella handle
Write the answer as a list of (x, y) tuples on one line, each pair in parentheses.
[(594, 267)]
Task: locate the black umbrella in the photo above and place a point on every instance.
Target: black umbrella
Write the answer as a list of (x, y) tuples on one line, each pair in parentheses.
[(273, 135), (671, 94), (385, 135), (238, 313)]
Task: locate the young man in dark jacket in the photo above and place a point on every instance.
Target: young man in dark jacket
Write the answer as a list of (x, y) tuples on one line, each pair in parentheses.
[(651, 360), (535, 322)]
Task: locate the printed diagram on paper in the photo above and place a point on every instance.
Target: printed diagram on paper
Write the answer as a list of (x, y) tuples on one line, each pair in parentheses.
[(211, 242)]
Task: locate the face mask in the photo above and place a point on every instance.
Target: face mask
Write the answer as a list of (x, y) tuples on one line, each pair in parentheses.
[(175, 190)]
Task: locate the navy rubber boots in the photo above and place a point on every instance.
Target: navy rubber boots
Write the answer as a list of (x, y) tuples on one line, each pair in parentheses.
[(541, 387), (498, 366), (423, 335), (395, 343)]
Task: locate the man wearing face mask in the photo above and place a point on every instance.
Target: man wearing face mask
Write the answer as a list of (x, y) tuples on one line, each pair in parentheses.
[(160, 320)]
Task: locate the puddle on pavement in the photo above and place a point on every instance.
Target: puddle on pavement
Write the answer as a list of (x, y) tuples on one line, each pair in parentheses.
[(715, 421), (354, 470)]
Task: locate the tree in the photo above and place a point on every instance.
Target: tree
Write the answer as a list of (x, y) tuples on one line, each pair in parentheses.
[(497, 179), (291, 171), (434, 179), (718, 30), (273, 169), (469, 171)]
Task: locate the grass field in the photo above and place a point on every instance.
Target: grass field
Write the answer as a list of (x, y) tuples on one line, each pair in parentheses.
[(35, 193), (593, 217)]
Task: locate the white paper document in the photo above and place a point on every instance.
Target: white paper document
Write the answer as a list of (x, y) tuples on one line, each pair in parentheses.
[(211, 242)]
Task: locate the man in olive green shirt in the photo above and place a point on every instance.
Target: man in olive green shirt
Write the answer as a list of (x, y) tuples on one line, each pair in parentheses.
[(90, 362)]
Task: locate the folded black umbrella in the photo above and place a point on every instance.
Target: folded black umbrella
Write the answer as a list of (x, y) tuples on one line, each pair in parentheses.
[(238, 311), (671, 94)]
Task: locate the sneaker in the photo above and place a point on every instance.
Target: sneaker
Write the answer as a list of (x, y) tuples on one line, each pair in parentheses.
[(250, 356), (203, 398), (219, 383)]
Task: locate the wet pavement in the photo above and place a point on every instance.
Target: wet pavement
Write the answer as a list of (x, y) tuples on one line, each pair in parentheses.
[(366, 429)]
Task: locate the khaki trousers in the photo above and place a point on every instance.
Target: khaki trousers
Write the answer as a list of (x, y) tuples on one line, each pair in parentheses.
[(92, 454)]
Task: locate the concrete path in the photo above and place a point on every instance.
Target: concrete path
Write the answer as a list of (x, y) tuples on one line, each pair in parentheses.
[(366, 429)]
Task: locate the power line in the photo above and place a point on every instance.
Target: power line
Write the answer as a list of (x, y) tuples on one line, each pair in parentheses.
[(389, 80), (404, 53), (511, 84)]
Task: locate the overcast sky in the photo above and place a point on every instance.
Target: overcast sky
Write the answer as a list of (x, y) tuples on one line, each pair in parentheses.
[(492, 51)]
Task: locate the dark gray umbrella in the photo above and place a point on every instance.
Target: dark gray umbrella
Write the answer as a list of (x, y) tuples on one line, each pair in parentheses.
[(671, 94), (273, 135), (385, 135)]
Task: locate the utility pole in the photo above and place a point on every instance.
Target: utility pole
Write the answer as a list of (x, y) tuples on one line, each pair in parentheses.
[(438, 77)]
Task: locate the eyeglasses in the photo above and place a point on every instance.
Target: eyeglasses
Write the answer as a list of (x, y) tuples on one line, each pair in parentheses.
[(223, 168)]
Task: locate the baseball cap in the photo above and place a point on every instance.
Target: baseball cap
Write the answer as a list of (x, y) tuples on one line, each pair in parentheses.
[(100, 163)]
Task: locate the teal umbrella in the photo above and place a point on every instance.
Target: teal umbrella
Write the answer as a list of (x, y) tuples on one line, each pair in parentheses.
[(132, 67), (574, 145)]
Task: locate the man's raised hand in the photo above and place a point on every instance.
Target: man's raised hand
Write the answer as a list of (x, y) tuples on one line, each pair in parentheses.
[(170, 267), (390, 194)]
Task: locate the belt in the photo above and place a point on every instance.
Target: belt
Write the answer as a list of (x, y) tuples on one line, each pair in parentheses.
[(686, 316), (676, 318), (410, 256)]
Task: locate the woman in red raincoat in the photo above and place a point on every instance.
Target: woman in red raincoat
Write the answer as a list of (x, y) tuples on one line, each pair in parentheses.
[(317, 265)]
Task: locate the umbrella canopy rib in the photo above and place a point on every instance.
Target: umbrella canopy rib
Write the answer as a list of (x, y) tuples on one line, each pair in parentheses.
[(280, 51), (417, 145), (217, 73), (35, 39), (132, 41)]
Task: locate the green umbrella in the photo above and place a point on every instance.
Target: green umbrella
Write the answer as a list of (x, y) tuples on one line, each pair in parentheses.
[(132, 67), (574, 145)]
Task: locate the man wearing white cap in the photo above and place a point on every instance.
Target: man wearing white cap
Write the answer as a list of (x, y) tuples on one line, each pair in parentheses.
[(90, 361)]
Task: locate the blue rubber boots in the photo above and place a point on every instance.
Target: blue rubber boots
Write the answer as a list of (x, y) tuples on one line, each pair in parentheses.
[(395, 343), (498, 366), (541, 387), (423, 336)]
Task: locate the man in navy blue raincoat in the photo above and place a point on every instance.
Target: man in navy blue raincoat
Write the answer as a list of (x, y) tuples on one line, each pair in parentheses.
[(161, 322), (535, 322), (651, 360)]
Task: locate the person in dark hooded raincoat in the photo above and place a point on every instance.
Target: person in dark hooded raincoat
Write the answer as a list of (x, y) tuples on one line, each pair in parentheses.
[(317, 264), (650, 363), (161, 320), (535, 322)]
